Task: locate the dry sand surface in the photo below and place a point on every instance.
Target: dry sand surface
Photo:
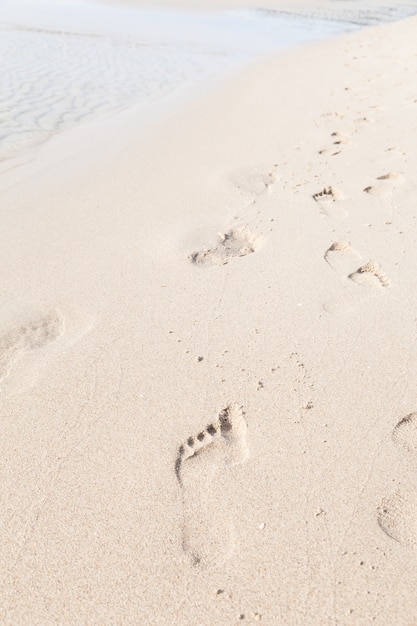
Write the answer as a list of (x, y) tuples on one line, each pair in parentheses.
[(208, 355)]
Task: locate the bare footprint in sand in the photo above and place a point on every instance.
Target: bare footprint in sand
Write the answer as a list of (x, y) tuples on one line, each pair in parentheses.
[(404, 434), (339, 141), (365, 281), (33, 335), (237, 242), (395, 151), (32, 339), (341, 256), (397, 513), (328, 199), (397, 517), (256, 181), (370, 276), (386, 185), (207, 537)]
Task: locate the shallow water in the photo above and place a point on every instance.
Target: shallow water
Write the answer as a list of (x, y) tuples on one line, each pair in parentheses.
[(66, 63), (354, 13)]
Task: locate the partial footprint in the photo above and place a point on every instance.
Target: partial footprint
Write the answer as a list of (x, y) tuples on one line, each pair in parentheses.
[(395, 151), (370, 276), (397, 513), (207, 534), (388, 183), (237, 242), (364, 120), (342, 257), (33, 335), (256, 181), (328, 194), (392, 177), (397, 517), (405, 433), (333, 151), (32, 339), (327, 200), (365, 281), (339, 140), (378, 190)]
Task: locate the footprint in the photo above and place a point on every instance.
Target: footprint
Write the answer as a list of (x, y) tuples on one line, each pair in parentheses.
[(330, 151), (206, 537), (341, 256), (395, 151), (397, 513), (364, 120), (237, 242), (326, 198), (256, 181), (339, 140), (363, 282), (33, 335), (392, 176), (370, 276), (397, 517), (386, 186), (328, 194), (377, 190), (405, 433)]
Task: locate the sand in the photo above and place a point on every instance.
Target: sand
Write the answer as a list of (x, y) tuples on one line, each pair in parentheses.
[(208, 354)]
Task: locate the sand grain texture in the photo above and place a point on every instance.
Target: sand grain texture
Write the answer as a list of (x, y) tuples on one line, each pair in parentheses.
[(135, 489)]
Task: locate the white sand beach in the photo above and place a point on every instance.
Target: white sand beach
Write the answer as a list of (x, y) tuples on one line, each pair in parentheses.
[(208, 351)]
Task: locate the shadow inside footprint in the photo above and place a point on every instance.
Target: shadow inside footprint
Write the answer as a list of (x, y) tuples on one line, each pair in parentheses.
[(207, 537)]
